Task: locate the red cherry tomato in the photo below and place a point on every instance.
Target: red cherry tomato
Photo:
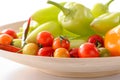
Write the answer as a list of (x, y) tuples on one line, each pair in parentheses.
[(45, 38), (97, 40), (10, 32), (45, 51), (74, 53), (61, 42), (88, 50)]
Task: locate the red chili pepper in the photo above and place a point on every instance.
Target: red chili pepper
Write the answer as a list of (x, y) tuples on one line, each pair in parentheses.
[(9, 48)]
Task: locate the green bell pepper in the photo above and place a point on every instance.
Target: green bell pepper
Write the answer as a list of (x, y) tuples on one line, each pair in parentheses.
[(101, 8), (105, 22), (52, 26), (46, 14), (75, 17)]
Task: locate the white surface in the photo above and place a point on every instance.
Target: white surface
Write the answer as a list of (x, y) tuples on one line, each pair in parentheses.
[(16, 10), (13, 71)]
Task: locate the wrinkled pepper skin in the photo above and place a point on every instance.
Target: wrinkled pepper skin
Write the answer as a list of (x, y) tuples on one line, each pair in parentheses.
[(101, 8), (75, 18), (112, 41), (105, 22), (46, 14)]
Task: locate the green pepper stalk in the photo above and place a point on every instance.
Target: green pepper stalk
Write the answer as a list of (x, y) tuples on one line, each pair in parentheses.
[(65, 10), (100, 8), (108, 3), (75, 18)]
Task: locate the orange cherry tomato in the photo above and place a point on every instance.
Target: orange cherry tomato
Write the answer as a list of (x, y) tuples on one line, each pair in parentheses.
[(112, 41), (5, 39), (61, 42), (61, 53)]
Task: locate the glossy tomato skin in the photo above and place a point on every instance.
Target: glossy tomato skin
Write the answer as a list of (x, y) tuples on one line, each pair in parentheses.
[(88, 50), (10, 32), (74, 53), (5, 39), (61, 43), (97, 40), (30, 49), (61, 53), (46, 51), (45, 38)]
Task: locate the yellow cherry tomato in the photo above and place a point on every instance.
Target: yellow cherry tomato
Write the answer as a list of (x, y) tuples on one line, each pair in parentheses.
[(30, 49)]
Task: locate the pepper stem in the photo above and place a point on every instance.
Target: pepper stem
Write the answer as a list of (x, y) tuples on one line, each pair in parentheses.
[(25, 32), (64, 10), (108, 3)]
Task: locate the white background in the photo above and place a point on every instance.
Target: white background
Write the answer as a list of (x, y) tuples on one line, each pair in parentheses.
[(17, 10), (14, 10)]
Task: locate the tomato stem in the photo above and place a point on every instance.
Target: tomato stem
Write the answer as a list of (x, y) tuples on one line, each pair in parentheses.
[(98, 44)]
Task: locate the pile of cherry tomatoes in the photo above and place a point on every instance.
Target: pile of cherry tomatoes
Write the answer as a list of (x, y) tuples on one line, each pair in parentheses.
[(47, 45)]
